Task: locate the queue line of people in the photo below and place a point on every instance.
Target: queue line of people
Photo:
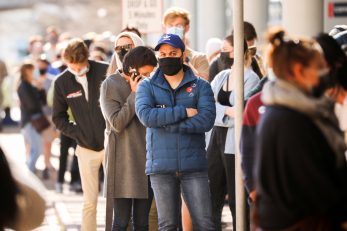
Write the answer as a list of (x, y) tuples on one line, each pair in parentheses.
[(187, 176)]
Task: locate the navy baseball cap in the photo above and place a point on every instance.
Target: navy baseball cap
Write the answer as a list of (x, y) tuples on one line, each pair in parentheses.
[(171, 39)]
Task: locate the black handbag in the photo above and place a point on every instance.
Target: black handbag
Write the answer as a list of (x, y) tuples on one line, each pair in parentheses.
[(40, 122)]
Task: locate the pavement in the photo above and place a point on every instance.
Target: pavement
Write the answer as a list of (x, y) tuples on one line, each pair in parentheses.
[(64, 210)]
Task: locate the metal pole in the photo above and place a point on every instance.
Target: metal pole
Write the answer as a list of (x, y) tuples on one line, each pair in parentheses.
[(238, 72)]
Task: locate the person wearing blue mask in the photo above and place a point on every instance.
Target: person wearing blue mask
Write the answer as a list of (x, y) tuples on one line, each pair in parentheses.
[(177, 21), (177, 107)]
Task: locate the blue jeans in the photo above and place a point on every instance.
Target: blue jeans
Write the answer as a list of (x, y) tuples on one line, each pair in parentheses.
[(34, 140), (196, 193)]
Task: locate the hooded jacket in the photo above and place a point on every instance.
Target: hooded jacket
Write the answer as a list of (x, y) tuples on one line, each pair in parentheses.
[(174, 142)]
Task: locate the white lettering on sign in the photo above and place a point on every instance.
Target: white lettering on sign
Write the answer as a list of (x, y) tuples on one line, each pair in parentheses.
[(145, 15)]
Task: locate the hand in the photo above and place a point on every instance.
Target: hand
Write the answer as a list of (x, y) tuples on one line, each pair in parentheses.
[(191, 112), (252, 195), (229, 111), (134, 82), (344, 225)]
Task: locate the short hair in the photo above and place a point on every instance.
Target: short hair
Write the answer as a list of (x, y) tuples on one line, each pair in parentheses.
[(139, 57), (76, 51), (175, 12)]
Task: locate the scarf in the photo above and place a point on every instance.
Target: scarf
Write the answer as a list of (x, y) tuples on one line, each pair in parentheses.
[(320, 110)]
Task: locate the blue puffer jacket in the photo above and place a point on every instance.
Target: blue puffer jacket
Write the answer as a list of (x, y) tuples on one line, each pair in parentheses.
[(175, 143)]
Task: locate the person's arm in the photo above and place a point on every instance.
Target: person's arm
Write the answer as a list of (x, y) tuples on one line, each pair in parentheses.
[(204, 120), (61, 117), (152, 116), (247, 142), (28, 100), (117, 114)]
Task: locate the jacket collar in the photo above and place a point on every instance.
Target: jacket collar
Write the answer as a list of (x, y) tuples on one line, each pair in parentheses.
[(159, 80)]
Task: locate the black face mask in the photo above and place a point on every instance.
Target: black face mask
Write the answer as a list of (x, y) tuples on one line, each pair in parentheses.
[(226, 60), (170, 66), (43, 71), (122, 53), (326, 81)]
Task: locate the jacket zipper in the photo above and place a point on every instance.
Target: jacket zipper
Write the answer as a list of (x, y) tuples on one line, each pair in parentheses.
[(173, 93)]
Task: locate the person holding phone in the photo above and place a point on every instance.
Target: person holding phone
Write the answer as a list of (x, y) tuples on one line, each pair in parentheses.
[(125, 141)]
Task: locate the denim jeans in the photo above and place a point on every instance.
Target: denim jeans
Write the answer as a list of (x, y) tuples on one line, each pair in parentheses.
[(34, 140), (196, 193)]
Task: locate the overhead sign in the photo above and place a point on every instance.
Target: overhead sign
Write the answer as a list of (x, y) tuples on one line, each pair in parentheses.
[(337, 9), (335, 13), (145, 15)]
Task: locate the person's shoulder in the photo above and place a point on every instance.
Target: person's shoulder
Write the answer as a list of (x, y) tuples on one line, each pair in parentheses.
[(255, 99), (280, 116), (250, 74), (196, 54), (62, 77), (99, 64)]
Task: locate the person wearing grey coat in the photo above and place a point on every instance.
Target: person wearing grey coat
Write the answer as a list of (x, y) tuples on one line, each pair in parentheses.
[(125, 143)]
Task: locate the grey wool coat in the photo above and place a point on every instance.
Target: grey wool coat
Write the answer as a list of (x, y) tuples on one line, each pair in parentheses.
[(125, 143)]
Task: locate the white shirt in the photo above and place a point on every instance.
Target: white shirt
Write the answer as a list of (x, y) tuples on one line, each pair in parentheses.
[(84, 82)]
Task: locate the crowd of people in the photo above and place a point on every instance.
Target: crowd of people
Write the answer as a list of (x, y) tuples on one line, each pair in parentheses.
[(159, 123)]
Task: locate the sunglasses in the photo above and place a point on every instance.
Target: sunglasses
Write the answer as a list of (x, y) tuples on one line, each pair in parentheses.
[(126, 47)]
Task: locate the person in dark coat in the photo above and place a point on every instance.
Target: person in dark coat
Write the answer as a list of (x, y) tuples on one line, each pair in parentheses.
[(125, 144), (31, 102), (78, 88), (300, 168)]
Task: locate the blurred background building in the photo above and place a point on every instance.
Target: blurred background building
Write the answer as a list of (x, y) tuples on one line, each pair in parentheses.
[(20, 19)]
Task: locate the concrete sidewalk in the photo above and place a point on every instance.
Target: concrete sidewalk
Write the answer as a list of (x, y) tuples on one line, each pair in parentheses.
[(64, 211)]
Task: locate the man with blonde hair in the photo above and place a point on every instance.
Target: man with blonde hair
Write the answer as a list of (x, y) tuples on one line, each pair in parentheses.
[(78, 88), (177, 21)]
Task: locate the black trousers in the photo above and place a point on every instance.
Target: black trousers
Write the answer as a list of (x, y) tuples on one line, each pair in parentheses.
[(65, 144), (221, 173)]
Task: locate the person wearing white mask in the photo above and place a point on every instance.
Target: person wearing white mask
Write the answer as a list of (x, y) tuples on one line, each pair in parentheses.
[(78, 89), (176, 21)]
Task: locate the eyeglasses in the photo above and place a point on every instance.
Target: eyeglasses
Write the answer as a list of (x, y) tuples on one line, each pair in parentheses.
[(126, 47)]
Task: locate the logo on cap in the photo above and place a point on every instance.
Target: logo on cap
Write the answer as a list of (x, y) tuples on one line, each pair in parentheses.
[(166, 37)]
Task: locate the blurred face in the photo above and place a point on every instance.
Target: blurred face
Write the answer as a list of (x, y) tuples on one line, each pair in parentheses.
[(308, 77), (124, 41), (29, 73), (123, 45), (179, 23), (78, 69), (145, 70), (226, 47), (168, 51)]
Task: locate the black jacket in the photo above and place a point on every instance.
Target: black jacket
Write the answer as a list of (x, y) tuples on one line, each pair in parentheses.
[(296, 174), (89, 126), (31, 101)]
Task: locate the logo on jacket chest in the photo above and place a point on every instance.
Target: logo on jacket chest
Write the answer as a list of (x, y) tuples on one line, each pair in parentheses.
[(74, 94), (190, 90)]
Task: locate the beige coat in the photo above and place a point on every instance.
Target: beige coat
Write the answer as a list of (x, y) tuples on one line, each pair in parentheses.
[(125, 143)]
